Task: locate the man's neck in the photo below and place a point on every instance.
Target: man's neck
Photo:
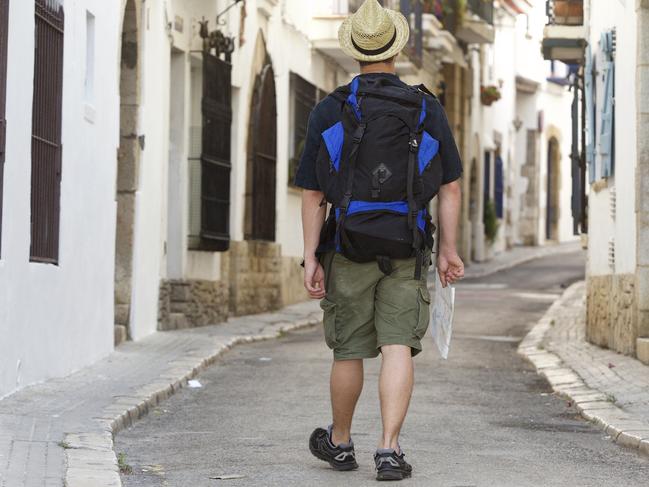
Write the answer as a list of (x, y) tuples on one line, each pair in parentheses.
[(378, 69)]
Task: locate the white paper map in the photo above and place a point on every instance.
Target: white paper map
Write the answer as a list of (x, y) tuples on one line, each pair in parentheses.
[(441, 316)]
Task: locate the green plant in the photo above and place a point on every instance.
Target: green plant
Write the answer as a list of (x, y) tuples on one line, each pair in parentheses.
[(489, 94), (124, 467), (490, 221)]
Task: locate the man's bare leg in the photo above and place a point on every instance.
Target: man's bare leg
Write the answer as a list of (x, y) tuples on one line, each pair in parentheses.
[(346, 386), (395, 388)]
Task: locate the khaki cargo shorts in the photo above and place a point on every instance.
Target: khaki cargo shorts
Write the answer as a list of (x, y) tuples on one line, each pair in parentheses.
[(364, 309)]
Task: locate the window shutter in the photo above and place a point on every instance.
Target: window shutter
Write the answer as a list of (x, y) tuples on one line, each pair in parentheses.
[(46, 132), (590, 114), (606, 140), (305, 96), (4, 23), (499, 188), (215, 154)]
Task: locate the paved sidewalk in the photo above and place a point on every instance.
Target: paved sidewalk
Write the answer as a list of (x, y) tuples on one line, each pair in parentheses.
[(609, 389), (516, 256), (62, 430)]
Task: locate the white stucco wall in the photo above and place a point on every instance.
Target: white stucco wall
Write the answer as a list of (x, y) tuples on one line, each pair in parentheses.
[(602, 226), (55, 319), (150, 207), (518, 54), (556, 102), (504, 112)]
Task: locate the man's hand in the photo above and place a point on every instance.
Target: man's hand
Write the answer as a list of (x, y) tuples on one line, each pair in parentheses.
[(314, 278), (449, 266)]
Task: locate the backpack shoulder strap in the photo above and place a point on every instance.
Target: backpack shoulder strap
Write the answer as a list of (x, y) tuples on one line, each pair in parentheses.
[(423, 88)]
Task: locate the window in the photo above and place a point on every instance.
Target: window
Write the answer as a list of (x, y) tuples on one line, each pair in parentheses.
[(210, 164), (589, 101), (4, 24), (90, 59), (304, 97), (46, 132), (499, 187), (607, 127)]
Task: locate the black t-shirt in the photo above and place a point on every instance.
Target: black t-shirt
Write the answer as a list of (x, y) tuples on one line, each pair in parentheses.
[(327, 113)]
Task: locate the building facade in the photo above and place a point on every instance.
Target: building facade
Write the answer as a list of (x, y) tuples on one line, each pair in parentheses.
[(58, 139), (610, 42), (162, 152), (238, 250)]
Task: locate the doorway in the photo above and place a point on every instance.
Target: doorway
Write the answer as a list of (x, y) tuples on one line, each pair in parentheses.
[(262, 158)]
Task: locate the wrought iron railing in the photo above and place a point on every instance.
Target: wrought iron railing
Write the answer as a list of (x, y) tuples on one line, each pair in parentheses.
[(46, 131), (565, 12)]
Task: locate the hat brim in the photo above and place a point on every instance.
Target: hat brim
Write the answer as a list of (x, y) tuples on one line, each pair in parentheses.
[(402, 37)]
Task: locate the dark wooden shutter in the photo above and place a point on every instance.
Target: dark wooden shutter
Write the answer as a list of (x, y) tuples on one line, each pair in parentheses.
[(305, 96), (215, 157), (499, 185), (46, 132), (264, 134), (4, 25)]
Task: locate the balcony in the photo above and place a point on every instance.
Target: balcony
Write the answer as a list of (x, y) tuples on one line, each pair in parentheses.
[(329, 14), (327, 17), (471, 22), (439, 41), (564, 37)]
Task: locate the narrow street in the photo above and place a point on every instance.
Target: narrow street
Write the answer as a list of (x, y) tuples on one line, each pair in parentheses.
[(482, 418)]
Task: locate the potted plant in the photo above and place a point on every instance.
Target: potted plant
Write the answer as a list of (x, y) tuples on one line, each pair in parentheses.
[(489, 94), (490, 220)]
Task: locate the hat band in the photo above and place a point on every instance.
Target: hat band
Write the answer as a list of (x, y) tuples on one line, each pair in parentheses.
[(375, 52)]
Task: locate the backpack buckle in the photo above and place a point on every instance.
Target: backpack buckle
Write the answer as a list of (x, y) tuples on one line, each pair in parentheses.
[(414, 145), (358, 134)]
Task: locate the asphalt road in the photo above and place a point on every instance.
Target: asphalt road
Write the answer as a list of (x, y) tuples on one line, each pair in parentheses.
[(482, 418)]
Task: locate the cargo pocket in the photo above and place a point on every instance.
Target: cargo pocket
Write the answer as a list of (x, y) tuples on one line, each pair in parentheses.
[(423, 305), (329, 321)]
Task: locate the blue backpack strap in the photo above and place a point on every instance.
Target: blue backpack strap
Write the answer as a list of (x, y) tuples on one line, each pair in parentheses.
[(422, 115), (352, 99)]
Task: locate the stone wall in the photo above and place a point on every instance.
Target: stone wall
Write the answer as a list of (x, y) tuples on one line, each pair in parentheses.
[(529, 219), (188, 304), (292, 281), (611, 312), (255, 271)]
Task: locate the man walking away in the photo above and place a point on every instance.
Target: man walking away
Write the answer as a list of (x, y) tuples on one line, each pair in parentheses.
[(378, 151)]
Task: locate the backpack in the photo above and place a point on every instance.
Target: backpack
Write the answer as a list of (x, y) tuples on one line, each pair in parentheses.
[(379, 169)]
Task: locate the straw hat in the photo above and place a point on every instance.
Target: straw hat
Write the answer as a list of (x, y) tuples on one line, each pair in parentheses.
[(374, 33)]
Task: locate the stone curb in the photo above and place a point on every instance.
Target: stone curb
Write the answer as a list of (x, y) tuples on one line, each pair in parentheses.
[(90, 456), (592, 404)]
